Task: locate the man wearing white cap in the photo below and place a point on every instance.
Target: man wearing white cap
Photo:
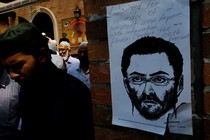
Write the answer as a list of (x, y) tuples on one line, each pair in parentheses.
[(64, 49)]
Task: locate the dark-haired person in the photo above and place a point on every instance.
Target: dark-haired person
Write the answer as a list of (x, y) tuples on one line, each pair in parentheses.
[(53, 104), (64, 38)]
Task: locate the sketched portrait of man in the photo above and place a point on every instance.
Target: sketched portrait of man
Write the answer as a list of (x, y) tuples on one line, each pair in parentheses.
[(152, 75)]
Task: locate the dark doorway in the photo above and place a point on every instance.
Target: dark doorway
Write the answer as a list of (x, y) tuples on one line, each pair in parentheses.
[(44, 23)]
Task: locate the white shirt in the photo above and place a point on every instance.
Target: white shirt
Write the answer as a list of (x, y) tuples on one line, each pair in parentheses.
[(58, 61), (72, 62), (77, 72), (9, 101)]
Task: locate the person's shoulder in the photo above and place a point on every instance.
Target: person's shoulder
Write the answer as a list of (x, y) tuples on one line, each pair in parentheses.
[(64, 80), (73, 84), (8, 82), (58, 60), (56, 56), (74, 70), (66, 39), (73, 59)]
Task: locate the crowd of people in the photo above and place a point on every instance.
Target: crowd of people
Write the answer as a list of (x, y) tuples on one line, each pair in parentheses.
[(46, 90), (75, 66)]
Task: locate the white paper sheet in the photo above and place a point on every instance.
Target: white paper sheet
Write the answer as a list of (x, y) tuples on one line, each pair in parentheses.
[(167, 19)]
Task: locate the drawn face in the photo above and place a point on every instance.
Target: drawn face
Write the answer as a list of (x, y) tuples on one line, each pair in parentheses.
[(150, 84)]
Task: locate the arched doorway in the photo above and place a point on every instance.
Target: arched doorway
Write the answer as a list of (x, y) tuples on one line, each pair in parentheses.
[(44, 23)]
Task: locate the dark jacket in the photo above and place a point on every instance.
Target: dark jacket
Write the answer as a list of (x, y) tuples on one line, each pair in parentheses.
[(63, 39), (58, 106)]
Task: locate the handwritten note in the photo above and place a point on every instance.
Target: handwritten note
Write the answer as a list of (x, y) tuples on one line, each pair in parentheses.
[(143, 18)]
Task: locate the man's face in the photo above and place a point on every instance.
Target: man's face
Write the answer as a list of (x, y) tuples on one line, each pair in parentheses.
[(20, 66), (64, 35), (63, 51), (150, 84)]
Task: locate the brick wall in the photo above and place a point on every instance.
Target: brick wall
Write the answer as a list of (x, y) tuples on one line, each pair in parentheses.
[(206, 65)]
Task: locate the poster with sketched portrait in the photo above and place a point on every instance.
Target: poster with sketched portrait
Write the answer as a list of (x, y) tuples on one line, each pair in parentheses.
[(149, 51)]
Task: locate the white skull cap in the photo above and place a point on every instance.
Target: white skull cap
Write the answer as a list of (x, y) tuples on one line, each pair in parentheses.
[(65, 43)]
